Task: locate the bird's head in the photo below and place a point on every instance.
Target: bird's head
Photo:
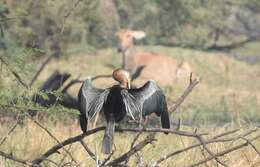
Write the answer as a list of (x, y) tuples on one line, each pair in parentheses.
[(123, 77)]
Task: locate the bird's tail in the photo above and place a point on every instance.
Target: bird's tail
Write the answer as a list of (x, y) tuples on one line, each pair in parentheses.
[(108, 137), (165, 120), (83, 122)]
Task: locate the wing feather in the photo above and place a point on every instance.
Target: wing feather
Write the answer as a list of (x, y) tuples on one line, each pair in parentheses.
[(91, 100), (146, 100)]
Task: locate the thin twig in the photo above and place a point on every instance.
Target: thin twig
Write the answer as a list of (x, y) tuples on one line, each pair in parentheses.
[(149, 139), (67, 14), (76, 81), (135, 139), (43, 65), (133, 143), (252, 145), (72, 82), (15, 159), (192, 84), (90, 153), (202, 141), (52, 136), (214, 139), (68, 141), (64, 157), (15, 74), (11, 130), (77, 138), (224, 152), (107, 159), (101, 76)]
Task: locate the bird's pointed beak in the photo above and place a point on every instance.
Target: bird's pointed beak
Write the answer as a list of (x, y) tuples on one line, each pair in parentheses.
[(128, 83)]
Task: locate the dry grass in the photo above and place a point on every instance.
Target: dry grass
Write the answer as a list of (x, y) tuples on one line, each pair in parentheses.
[(29, 141)]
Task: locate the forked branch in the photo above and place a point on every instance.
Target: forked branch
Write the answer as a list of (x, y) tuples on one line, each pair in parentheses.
[(187, 91)]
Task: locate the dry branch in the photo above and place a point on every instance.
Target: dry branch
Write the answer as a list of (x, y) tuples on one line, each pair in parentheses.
[(148, 140), (133, 144), (3, 139), (192, 84), (49, 58), (76, 81), (234, 148), (90, 153), (15, 159), (202, 141), (107, 159), (215, 139), (68, 13), (15, 74), (77, 138), (52, 136)]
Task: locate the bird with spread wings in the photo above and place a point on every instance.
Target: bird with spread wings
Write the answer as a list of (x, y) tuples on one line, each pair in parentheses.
[(119, 102)]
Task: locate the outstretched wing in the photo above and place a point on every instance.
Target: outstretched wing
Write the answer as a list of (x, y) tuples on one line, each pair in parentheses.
[(91, 101), (146, 100)]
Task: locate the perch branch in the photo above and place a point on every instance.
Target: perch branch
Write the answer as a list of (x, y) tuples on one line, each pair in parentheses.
[(77, 138)]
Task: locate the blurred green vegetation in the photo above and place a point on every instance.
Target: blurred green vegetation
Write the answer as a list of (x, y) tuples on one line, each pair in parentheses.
[(171, 22)]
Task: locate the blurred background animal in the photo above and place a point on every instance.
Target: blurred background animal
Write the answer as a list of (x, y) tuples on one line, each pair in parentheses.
[(161, 68)]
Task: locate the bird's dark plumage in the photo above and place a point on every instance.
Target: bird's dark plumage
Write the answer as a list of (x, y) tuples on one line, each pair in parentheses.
[(117, 102), (91, 101)]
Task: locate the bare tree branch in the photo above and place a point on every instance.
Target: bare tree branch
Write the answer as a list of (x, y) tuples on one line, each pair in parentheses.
[(11, 130), (107, 159), (68, 141), (18, 160), (133, 144), (77, 138), (214, 139), (202, 141), (90, 153), (52, 136), (224, 152), (49, 58), (149, 139), (252, 145), (192, 84), (68, 13)]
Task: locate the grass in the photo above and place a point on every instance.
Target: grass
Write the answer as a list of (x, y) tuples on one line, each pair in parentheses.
[(228, 96)]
